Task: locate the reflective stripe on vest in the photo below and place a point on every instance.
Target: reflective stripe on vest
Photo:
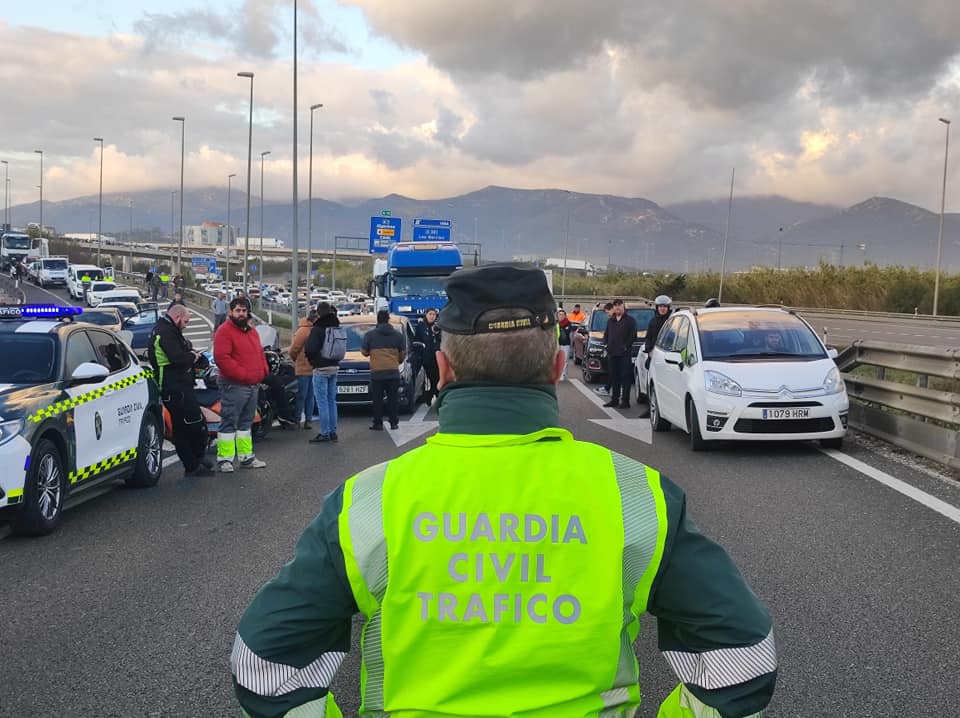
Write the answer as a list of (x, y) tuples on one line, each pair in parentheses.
[(487, 563)]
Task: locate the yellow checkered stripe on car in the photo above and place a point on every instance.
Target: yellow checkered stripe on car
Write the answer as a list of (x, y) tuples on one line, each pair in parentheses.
[(14, 496), (66, 404), (98, 468)]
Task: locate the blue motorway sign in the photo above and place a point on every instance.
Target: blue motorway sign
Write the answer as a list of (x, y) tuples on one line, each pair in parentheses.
[(384, 232), (205, 265), (431, 230)]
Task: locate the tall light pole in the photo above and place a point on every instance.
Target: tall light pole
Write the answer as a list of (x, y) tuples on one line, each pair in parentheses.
[(100, 207), (779, 247), (566, 244), (310, 202), (246, 237), (172, 196), (40, 152), (183, 138), (229, 228), (943, 201), (295, 249), (262, 155), (726, 236), (6, 194)]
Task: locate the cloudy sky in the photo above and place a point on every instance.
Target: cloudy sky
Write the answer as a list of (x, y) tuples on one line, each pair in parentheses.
[(823, 100)]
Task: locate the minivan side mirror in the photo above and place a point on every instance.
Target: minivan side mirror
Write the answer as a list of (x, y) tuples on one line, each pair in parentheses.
[(833, 352)]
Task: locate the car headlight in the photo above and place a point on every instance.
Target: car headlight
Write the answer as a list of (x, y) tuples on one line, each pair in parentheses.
[(833, 382), (10, 429), (717, 383)]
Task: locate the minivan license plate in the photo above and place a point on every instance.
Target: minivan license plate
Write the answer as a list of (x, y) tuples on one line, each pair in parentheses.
[(788, 413)]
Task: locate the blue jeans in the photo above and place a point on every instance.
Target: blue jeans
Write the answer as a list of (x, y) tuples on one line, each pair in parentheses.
[(305, 402), (325, 391)]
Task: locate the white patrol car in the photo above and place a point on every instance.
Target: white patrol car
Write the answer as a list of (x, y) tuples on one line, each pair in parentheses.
[(76, 409)]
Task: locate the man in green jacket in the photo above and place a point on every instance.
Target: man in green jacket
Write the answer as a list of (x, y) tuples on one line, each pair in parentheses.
[(503, 566)]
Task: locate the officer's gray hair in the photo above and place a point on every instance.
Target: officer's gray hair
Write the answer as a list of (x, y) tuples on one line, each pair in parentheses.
[(523, 356), (177, 311)]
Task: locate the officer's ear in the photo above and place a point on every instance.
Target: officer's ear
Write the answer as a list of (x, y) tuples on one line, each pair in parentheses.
[(446, 371), (559, 361)]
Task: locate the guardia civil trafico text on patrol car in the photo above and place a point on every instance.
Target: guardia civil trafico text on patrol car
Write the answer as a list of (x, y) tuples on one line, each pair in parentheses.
[(76, 409)]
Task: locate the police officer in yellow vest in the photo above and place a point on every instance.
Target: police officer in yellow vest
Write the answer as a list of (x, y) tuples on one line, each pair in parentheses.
[(502, 567)]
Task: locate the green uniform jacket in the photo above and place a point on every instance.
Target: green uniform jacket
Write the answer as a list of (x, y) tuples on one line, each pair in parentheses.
[(713, 631)]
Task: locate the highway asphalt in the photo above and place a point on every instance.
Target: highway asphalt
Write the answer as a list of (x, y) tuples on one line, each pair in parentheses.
[(130, 608), (926, 332)]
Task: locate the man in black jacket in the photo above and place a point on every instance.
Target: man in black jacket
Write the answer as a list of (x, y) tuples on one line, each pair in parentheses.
[(428, 334), (173, 360), (618, 337)]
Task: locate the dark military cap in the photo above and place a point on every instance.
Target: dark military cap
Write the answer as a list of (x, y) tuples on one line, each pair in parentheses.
[(522, 293)]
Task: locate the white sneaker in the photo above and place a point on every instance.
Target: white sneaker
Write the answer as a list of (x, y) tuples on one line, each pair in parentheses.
[(252, 463), (225, 467), (602, 390)]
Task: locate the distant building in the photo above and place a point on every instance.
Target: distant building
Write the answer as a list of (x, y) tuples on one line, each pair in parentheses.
[(268, 243), (575, 266), (209, 234)]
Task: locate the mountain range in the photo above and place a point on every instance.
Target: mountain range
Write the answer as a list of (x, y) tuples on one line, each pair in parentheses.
[(622, 231)]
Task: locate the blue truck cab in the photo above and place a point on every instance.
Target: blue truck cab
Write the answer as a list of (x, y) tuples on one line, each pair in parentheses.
[(413, 277)]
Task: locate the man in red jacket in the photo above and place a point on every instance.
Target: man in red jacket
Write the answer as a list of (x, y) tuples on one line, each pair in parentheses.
[(242, 365)]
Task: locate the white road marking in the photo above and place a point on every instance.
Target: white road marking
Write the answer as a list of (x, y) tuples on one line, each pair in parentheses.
[(414, 427), (921, 497), (638, 429)]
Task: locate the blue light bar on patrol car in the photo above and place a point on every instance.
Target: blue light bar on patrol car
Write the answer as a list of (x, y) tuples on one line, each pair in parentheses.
[(38, 311)]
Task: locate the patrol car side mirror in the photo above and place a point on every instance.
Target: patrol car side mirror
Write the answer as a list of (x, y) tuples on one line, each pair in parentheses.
[(89, 373)]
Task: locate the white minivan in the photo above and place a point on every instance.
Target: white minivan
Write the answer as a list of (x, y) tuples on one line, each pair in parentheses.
[(51, 271), (75, 274)]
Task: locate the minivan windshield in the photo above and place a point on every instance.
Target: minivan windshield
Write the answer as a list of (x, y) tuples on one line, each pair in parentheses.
[(745, 335), (55, 264)]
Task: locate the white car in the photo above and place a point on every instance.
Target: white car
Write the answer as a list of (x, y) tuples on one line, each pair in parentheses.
[(97, 290), (745, 373), (118, 294)]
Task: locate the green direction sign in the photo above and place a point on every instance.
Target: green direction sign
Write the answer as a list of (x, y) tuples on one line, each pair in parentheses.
[(385, 213)]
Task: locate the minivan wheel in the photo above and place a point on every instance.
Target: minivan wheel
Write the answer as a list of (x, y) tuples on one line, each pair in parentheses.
[(657, 422)]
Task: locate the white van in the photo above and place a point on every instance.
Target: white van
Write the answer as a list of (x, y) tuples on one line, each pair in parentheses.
[(51, 271), (75, 273)]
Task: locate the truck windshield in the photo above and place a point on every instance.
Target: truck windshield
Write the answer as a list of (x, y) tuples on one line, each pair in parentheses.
[(419, 287), (16, 242)]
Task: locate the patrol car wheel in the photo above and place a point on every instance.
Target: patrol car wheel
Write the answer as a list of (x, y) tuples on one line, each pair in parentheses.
[(43, 492), (146, 473)]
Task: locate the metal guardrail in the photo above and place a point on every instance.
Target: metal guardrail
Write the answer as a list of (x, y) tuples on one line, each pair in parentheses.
[(914, 417)]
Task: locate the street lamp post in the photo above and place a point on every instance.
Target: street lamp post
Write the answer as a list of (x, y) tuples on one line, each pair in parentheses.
[(779, 247), (262, 155), (943, 201), (172, 196), (6, 194), (183, 138), (566, 243), (40, 152), (295, 248), (726, 236), (246, 237), (100, 207), (229, 228), (310, 202)]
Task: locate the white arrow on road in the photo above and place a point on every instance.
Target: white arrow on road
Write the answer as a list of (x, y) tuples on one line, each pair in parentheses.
[(638, 429), (415, 427)]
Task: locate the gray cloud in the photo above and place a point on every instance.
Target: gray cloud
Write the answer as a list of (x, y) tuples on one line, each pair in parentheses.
[(383, 100), (716, 54), (253, 29)]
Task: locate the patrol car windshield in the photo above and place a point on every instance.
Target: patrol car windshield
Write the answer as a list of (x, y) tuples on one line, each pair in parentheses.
[(16, 242), (27, 359), (746, 335)]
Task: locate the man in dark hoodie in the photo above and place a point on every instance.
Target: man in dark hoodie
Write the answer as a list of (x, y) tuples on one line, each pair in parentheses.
[(324, 374), (428, 334), (663, 305), (384, 345)]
